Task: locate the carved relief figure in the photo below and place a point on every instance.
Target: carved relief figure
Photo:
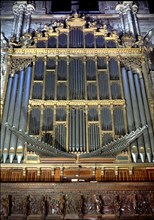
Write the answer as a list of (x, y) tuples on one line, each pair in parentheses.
[(128, 40), (104, 30), (128, 204), (5, 206), (62, 205), (43, 205), (26, 40), (98, 204), (17, 205), (117, 205), (73, 204), (142, 205)]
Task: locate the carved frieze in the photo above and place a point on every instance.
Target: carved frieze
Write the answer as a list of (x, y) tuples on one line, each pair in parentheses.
[(27, 52), (62, 204)]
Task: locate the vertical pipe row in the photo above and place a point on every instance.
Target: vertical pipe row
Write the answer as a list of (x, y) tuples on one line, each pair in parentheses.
[(13, 141), (24, 110), (147, 114), (77, 132), (5, 112), (10, 117), (142, 113), (129, 108), (135, 107)]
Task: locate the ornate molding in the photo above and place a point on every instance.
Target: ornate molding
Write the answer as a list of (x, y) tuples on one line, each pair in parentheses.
[(18, 64), (132, 63), (27, 52), (75, 21), (76, 102)]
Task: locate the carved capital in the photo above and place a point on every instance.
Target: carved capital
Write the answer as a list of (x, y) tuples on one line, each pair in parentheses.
[(30, 9), (134, 9), (15, 9), (119, 8), (21, 8)]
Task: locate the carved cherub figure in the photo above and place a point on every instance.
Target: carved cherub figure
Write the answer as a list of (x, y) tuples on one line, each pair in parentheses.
[(104, 30), (26, 40), (128, 40)]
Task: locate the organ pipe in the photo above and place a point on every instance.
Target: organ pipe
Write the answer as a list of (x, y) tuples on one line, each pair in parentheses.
[(130, 116), (24, 107), (147, 113), (142, 112), (13, 141), (70, 131), (10, 116), (5, 111), (135, 106)]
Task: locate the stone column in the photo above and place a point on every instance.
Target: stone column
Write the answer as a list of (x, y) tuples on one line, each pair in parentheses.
[(134, 10), (128, 10), (21, 10), (16, 13), (29, 10), (119, 9)]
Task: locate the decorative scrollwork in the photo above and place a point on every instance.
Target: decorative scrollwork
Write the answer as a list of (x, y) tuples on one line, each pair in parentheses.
[(132, 63), (18, 64)]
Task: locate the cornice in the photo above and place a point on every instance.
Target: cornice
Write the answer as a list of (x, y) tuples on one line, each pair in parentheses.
[(76, 102), (52, 52)]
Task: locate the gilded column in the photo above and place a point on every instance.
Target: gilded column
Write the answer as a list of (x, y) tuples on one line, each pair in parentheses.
[(21, 10), (29, 10)]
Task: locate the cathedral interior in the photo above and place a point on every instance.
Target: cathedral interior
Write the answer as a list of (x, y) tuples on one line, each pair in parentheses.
[(77, 110)]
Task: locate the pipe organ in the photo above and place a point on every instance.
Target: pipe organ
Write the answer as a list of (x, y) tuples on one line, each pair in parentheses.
[(76, 101)]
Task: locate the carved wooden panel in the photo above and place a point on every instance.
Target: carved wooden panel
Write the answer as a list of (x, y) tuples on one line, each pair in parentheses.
[(79, 200)]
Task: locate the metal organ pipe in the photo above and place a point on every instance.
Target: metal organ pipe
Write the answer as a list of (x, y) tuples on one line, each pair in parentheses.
[(130, 116), (24, 109), (13, 141), (5, 112), (81, 129), (10, 117), (84, 131), (142, 112), (135, 107), (70, 131), (77, 130), (73, 129), (147, 113)]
